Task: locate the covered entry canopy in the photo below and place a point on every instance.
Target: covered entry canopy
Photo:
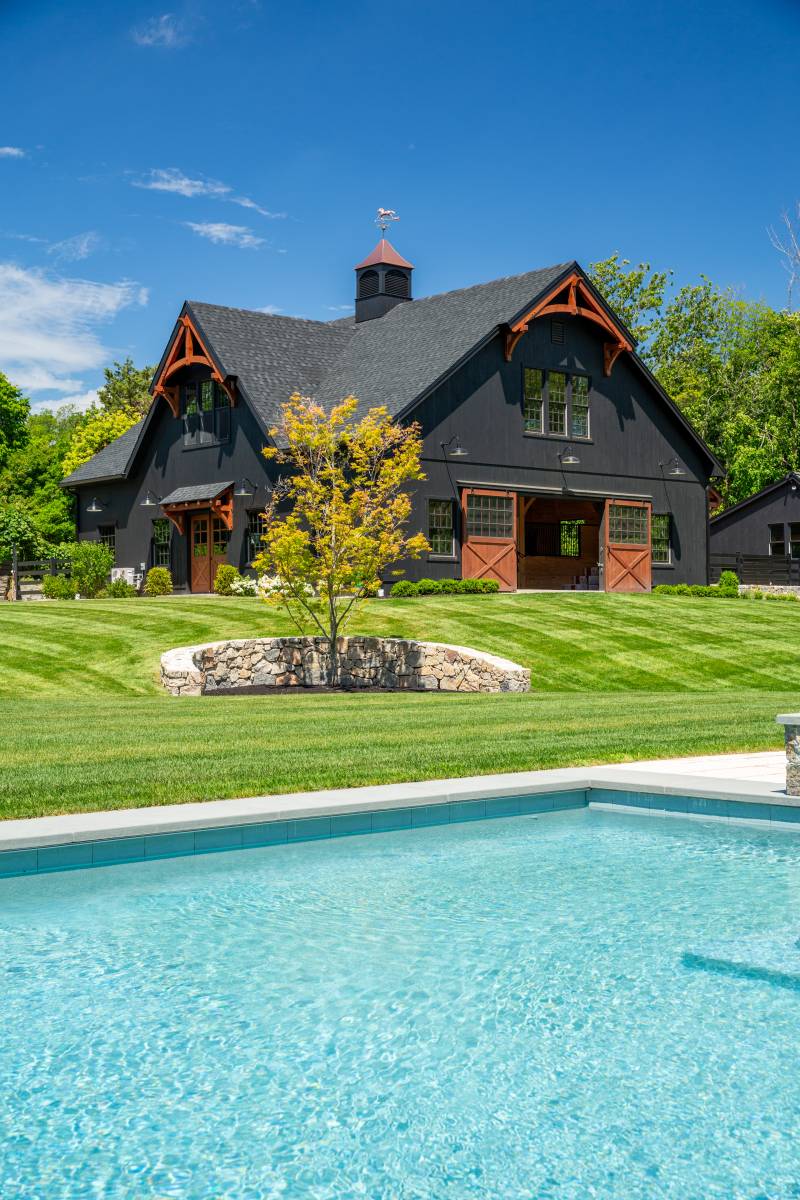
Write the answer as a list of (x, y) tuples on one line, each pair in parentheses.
[(216, 496)]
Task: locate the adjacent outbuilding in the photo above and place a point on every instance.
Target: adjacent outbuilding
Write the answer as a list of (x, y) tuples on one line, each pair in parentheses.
[(759, 537)]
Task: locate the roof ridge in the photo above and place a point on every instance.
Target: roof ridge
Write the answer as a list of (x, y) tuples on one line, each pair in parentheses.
[(473, 287), (256, 312)]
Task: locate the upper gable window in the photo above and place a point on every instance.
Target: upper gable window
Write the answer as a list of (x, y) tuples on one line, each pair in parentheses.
[(206, 414), (555, 403)]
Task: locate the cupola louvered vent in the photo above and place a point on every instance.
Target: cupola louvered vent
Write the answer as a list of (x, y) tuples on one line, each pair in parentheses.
[(557, 334), (397, 284), (368, 285)]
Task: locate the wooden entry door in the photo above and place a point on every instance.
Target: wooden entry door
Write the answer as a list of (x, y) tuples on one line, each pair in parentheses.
[(627, 553), (489, 547), (209, 548)]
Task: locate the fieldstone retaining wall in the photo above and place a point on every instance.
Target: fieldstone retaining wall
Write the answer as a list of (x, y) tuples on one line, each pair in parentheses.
[(364, 662)]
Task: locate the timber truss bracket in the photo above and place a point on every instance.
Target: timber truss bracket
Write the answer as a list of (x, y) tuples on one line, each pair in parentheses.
[(572, 298), (188, 350)]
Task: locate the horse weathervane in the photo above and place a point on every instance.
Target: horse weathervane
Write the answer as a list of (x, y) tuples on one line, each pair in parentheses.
[(384, 219)]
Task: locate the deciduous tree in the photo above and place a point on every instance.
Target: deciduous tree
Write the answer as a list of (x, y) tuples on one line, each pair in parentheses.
[(346, 485)]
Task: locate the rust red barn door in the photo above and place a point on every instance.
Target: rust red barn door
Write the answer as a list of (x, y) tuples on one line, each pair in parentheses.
[(489, 547), (627, 550)]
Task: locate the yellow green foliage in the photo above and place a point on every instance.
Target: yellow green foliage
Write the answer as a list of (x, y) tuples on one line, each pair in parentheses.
[(349, 507), (99, 429)]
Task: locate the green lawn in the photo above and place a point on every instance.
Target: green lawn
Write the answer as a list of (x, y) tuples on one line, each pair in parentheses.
[(86, 724)]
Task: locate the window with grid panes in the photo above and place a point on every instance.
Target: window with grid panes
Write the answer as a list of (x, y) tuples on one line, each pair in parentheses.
[(533, 400), (220, 536), (627, 525), (794, 539), (440, 526), (556, 402), (777, 540), (490, 516), (255, 532), (579, 417), (660, 524), (162, 537), (107, 534)]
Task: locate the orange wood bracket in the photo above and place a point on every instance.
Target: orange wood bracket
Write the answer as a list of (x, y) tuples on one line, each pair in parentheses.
[(573, 298), (221, 506), (188, 350)]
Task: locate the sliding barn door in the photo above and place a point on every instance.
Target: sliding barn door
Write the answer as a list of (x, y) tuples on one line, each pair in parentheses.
[(489, 547), (627, 551)]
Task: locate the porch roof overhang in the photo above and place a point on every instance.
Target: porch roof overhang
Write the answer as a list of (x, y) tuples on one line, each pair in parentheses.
[(554, 491), (216, 496), (196, 493)]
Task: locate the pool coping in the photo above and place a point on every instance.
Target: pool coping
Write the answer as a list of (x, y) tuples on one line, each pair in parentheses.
[(69, 829)]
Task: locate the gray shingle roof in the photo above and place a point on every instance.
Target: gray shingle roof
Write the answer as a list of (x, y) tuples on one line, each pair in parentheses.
[(198, 491), (271, 356), (392, 360), (110, 462)]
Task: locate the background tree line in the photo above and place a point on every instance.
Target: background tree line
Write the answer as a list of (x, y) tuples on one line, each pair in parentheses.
[(38, 449)]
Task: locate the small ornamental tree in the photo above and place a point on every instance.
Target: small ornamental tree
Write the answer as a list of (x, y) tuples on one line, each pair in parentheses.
[(348, 513)]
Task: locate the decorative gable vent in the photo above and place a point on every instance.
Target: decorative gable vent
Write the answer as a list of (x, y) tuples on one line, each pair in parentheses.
[(557, 333), (368, 285), (397, 284)]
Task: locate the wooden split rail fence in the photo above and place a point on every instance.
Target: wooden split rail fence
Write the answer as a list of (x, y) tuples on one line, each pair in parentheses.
[(21, 579)]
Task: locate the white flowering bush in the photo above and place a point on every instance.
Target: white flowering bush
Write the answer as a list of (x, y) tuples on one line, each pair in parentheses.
[(245, 585)]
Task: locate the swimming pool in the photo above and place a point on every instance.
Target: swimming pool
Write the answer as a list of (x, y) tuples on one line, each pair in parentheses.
[(491, 1009)]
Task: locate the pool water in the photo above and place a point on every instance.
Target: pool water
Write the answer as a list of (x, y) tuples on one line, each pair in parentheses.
[(492, 1009)]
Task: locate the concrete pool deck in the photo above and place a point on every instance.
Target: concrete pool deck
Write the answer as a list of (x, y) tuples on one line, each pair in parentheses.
[(728, 786)]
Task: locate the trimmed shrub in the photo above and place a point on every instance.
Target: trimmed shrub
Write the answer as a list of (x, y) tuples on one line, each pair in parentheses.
[(729, 582), (224, 579), (57, 587), (445, 587), (158, 582), (120, 589), (404, 587)]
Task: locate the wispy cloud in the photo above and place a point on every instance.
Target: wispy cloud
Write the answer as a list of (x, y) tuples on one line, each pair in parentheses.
[(74, 249), (49, 326), (167, 32), (271, 310), (226, 235), (245, 202), (339, 307), (11, 152), (172, 179), (24, 237), (80, 402)]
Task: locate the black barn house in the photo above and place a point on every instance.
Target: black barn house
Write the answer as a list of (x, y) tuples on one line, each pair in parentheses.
[(553, 458), (759, 537)]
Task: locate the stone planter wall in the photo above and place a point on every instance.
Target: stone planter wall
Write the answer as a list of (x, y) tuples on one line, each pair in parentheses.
[(365, 662)]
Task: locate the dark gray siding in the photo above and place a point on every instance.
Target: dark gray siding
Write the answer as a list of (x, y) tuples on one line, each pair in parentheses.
[(631, 432), (162, 464), (746, 530)]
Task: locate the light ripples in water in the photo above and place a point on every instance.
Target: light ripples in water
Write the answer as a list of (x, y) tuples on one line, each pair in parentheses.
[(497, 1009)]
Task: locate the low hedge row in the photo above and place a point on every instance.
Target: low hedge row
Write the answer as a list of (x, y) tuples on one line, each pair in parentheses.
[(445, 587), (726, 589)]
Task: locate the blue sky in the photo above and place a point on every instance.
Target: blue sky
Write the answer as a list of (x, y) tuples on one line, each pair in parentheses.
[(236, 152)]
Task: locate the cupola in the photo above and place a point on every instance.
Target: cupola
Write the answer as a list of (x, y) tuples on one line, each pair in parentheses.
[(383, 280)]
